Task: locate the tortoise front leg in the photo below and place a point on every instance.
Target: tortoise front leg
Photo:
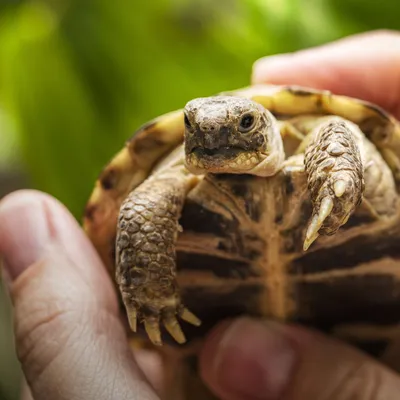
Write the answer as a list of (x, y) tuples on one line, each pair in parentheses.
[(335, 175), (145, 253)]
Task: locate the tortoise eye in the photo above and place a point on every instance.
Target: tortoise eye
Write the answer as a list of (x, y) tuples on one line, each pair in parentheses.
[(246, 123), (187, 122)]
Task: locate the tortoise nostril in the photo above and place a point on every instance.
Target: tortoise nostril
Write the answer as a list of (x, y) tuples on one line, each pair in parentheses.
[(209, 127)]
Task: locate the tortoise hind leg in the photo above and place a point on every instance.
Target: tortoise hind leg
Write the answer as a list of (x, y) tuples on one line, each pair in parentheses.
[(145, 253)]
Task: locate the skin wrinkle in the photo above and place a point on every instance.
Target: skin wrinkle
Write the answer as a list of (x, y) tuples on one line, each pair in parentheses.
[(55, 349), (37, 375), (107, 390), (84, 362), (94, 346), (92, 332), (343, 385), (30, 346), (347, 388), (309, 347), (71, 339), (24, 331)]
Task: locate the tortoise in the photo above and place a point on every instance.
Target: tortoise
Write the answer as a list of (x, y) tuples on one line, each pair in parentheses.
[(272, 201)]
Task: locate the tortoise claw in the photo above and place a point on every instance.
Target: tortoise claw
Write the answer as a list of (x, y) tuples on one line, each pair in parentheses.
[(172, 325), (312, 232), (168, 318), (324, 211), (340, 187), (152, 327), (317, 221), (174, 329), (188, 316), (132, 318)]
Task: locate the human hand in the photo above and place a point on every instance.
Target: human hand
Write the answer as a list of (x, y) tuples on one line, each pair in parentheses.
[(248, 359), (69, 337)]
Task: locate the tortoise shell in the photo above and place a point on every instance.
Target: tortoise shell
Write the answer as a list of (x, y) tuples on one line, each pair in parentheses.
[(240, 250)]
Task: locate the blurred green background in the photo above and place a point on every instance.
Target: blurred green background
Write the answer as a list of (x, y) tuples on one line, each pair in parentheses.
[(77, 77)]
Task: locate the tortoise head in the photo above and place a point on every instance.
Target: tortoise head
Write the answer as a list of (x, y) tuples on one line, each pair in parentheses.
[(227, 134)]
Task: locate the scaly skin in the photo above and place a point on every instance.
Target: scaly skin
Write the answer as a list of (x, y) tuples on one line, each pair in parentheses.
[(145, 253)]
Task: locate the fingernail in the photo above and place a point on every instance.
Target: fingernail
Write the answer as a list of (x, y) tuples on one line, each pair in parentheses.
[(24, 232), (254, 360)]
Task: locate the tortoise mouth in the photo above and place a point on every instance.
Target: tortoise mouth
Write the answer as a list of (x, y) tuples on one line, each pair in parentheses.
[(223, 152), (222, 160)]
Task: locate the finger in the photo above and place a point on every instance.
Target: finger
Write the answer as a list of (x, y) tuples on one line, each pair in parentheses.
[(366, 66), (69, 338), (249, 359)]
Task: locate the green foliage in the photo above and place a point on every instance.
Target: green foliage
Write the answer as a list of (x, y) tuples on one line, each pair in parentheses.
[(78, 77)]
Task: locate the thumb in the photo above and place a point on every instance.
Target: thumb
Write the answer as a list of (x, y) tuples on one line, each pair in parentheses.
[(69, 337), (366, 66), (249, 359)]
